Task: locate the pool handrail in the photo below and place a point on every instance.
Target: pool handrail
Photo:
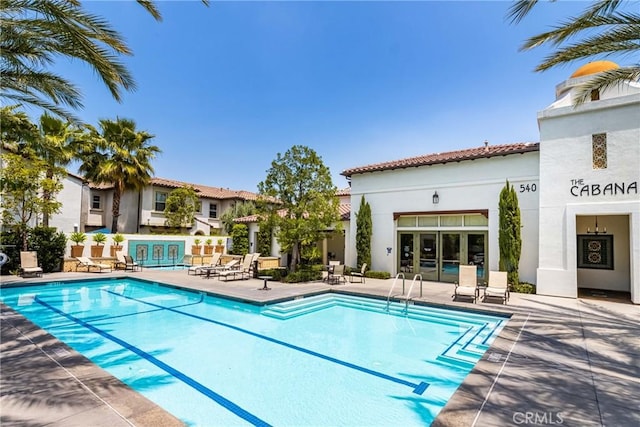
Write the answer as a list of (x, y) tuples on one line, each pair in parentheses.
[(393, 286)]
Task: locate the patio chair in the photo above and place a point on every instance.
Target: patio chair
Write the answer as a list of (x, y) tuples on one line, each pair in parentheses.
[(130, 264), (359, 274), (198, 270), (86, 262), (497, 287), (244, 270), (467, 283), (337, 275), (29, 264)]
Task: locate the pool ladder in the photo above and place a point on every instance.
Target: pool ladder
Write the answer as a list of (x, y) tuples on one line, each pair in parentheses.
[(408, 296)]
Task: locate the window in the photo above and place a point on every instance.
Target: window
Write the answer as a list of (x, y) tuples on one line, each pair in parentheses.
[(595, 95), (96, 202), (407, 221), (213, 210), (599, 149), (160, 202)]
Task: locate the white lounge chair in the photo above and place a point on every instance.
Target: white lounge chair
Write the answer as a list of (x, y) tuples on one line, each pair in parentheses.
[(198, 270), (29, 264), (244, 270), (498, 286), (214, 271), (467, 283), (86, 262)]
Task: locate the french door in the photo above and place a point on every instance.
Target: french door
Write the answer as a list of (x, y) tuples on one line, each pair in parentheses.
[(437, 255)]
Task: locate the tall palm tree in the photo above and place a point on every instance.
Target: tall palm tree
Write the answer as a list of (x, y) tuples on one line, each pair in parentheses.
[(121, 156), (57, 145), (605, 29)]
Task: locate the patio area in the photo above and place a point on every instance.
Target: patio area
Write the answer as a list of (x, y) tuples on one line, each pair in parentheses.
[(558, 361)]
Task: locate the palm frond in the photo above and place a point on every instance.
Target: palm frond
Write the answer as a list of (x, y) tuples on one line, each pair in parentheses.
[(606, 80)]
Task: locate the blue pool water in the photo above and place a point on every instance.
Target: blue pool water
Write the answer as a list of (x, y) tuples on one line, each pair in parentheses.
[(325, 360)]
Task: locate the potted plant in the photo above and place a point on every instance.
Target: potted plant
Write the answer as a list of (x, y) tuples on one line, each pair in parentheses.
[(208, 247), (78, 238), (195, 248), (117, 243), (97, 250), (220, 247)]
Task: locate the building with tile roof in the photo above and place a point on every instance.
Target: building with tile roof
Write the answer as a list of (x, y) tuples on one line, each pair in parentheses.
[(435, 212)]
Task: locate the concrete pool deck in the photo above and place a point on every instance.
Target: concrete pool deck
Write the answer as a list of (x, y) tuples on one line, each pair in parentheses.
[(558, 361)]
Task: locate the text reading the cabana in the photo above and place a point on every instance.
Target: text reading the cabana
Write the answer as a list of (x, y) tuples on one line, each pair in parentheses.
[(581, 189)]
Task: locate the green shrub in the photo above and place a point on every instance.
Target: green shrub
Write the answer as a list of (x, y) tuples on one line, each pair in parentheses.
[(524, 288), (307, 274), (12, 249), (50, 245), (377, 274), (276, 273)]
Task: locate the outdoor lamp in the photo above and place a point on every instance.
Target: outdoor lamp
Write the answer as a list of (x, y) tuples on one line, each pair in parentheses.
[(435, 198)]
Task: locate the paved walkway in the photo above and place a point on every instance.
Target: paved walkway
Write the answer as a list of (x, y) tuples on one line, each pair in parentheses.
[(558, 361)]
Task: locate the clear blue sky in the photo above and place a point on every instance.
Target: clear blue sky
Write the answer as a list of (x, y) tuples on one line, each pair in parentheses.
[(225, 88)]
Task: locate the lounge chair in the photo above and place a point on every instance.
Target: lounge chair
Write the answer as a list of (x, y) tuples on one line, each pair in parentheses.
[(198, 270), (359, 275), (125, 262), (131, 264), (86, 262), (497, 287), (467, 283), (214, 271), (337, 275), (29, 264), (244, 270)]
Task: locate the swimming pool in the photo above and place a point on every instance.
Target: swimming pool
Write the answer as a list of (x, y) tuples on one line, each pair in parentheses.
[(325, 360)]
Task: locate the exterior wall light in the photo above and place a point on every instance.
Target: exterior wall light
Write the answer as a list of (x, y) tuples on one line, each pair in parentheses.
[(435, 198)]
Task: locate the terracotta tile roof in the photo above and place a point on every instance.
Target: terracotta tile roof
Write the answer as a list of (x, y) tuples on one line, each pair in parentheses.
[(202, 190), (344, 209), (343, 192), (483, 152), (206, 191)]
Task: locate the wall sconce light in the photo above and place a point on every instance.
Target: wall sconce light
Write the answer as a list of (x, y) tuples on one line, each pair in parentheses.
[(388, 251), (435, 198)]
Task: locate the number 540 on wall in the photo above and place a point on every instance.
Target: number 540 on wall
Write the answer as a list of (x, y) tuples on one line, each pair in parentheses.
[(528, 188)]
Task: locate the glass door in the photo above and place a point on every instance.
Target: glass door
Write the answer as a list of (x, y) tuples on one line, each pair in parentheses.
[(450, 256), (429, 256), (476, 253), (406, 253)]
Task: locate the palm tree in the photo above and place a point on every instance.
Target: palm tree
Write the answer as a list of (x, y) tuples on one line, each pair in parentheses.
[(120, 156), (33, 33), (57, 145), (605, 29)]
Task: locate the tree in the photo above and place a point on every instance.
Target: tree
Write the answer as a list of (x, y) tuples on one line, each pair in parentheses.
[(605, 31), (22, 184), (180, 207), (36, 32), (120, 155), (363, 233), (56, 145), (238, 210), (509, 239), (307, 201)]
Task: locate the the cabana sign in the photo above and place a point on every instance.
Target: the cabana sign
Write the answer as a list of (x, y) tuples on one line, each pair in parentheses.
[(581, 189)]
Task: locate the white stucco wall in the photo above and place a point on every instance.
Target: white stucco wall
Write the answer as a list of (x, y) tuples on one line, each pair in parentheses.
[(70, 213), (566, 167), (466, 185)]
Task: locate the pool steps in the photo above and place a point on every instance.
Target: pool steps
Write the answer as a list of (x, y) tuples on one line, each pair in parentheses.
[(464, 352)]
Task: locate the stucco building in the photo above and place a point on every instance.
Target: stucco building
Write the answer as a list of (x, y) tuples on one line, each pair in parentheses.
[(432, 213)]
